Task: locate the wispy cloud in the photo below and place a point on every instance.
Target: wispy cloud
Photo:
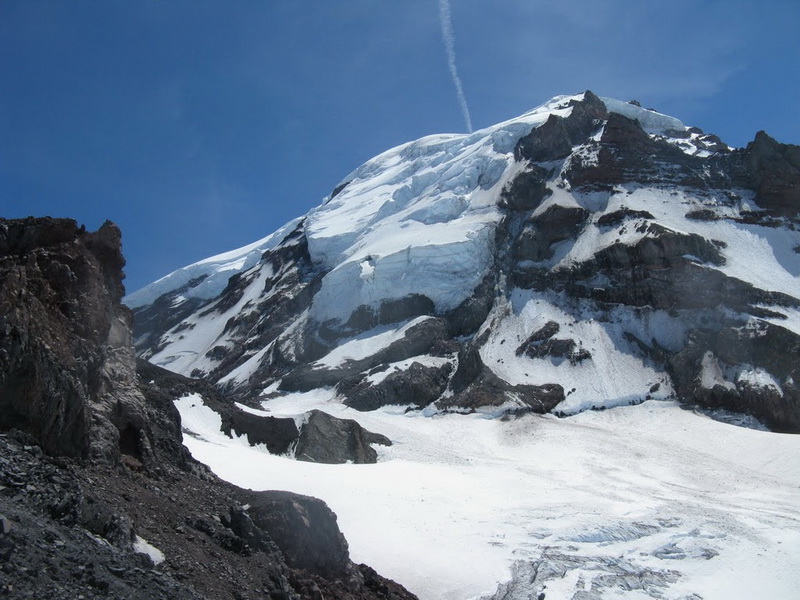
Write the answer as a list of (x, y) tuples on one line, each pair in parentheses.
[(450, 46)]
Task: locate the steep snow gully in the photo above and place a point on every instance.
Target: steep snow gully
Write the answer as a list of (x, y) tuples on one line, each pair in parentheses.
[(462, 294)]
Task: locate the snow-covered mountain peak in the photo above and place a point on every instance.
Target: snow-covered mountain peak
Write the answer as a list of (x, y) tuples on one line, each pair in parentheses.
[(651, 121), (586, 253), (589, 254), (426, 168)]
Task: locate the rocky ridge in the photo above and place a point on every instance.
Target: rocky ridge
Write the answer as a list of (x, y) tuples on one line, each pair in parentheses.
[(593, 237), (98, 497)]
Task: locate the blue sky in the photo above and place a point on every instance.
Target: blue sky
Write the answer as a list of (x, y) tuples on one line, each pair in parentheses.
[(200, 126)]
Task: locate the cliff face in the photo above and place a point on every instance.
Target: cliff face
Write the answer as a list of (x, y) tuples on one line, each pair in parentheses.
[(67, 374)]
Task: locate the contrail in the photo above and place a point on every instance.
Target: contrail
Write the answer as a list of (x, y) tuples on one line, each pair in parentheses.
[(450, 46)]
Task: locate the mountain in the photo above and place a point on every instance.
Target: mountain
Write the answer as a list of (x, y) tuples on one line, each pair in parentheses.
[(98, 496), (480, 300), (588, 254)]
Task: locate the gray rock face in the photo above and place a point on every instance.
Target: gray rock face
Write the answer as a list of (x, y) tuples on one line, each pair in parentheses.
[(527, 191), (305, 530), (417, 385), (540, 233), (476, 387), (66, 363), (744, 368), (326, 439), (773, 171), (556, 138), (426, 336), (276, 433)]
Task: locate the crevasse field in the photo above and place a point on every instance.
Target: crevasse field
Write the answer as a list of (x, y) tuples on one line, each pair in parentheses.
[(713, 509)]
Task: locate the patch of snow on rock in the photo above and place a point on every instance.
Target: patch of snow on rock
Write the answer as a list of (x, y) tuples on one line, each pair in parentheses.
[(142, 546)]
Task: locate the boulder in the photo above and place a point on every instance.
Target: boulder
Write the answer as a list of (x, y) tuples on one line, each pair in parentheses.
[(304, 529), (326, 439)]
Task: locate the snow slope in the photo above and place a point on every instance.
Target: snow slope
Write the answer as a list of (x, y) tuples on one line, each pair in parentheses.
[(213, 272), (697, 506)]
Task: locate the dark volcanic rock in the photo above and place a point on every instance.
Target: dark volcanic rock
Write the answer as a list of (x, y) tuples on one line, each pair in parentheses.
[(545, 332), (418, 385), (390, 311), (541, 343), (702, 215), (210, 550), (326, 439), (665, 248), (422, 338), (556, 137), (305, 530), (53, 555), (774, 172), (626, 154), (527, 190), (556, 224), (160, 389), (468, 316), (617, 217), (489, 391), (662, 270), (751, 368), (322, 438), (278, 434), (66, 364), (475, 387)]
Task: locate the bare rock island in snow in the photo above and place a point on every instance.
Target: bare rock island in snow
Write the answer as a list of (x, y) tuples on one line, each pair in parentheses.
[(588, 254)]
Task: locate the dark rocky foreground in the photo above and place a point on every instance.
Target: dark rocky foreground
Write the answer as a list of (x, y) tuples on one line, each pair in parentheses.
[(73, 526), (92, 469)]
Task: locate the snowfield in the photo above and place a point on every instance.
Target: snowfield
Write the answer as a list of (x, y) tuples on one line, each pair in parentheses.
[(706, 507)]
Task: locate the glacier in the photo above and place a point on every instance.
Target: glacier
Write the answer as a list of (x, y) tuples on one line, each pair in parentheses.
[(683, 503)]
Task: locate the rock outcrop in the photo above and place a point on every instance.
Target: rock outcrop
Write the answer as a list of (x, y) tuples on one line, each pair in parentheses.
[(327, 439), (67, 372), (314, 436)]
